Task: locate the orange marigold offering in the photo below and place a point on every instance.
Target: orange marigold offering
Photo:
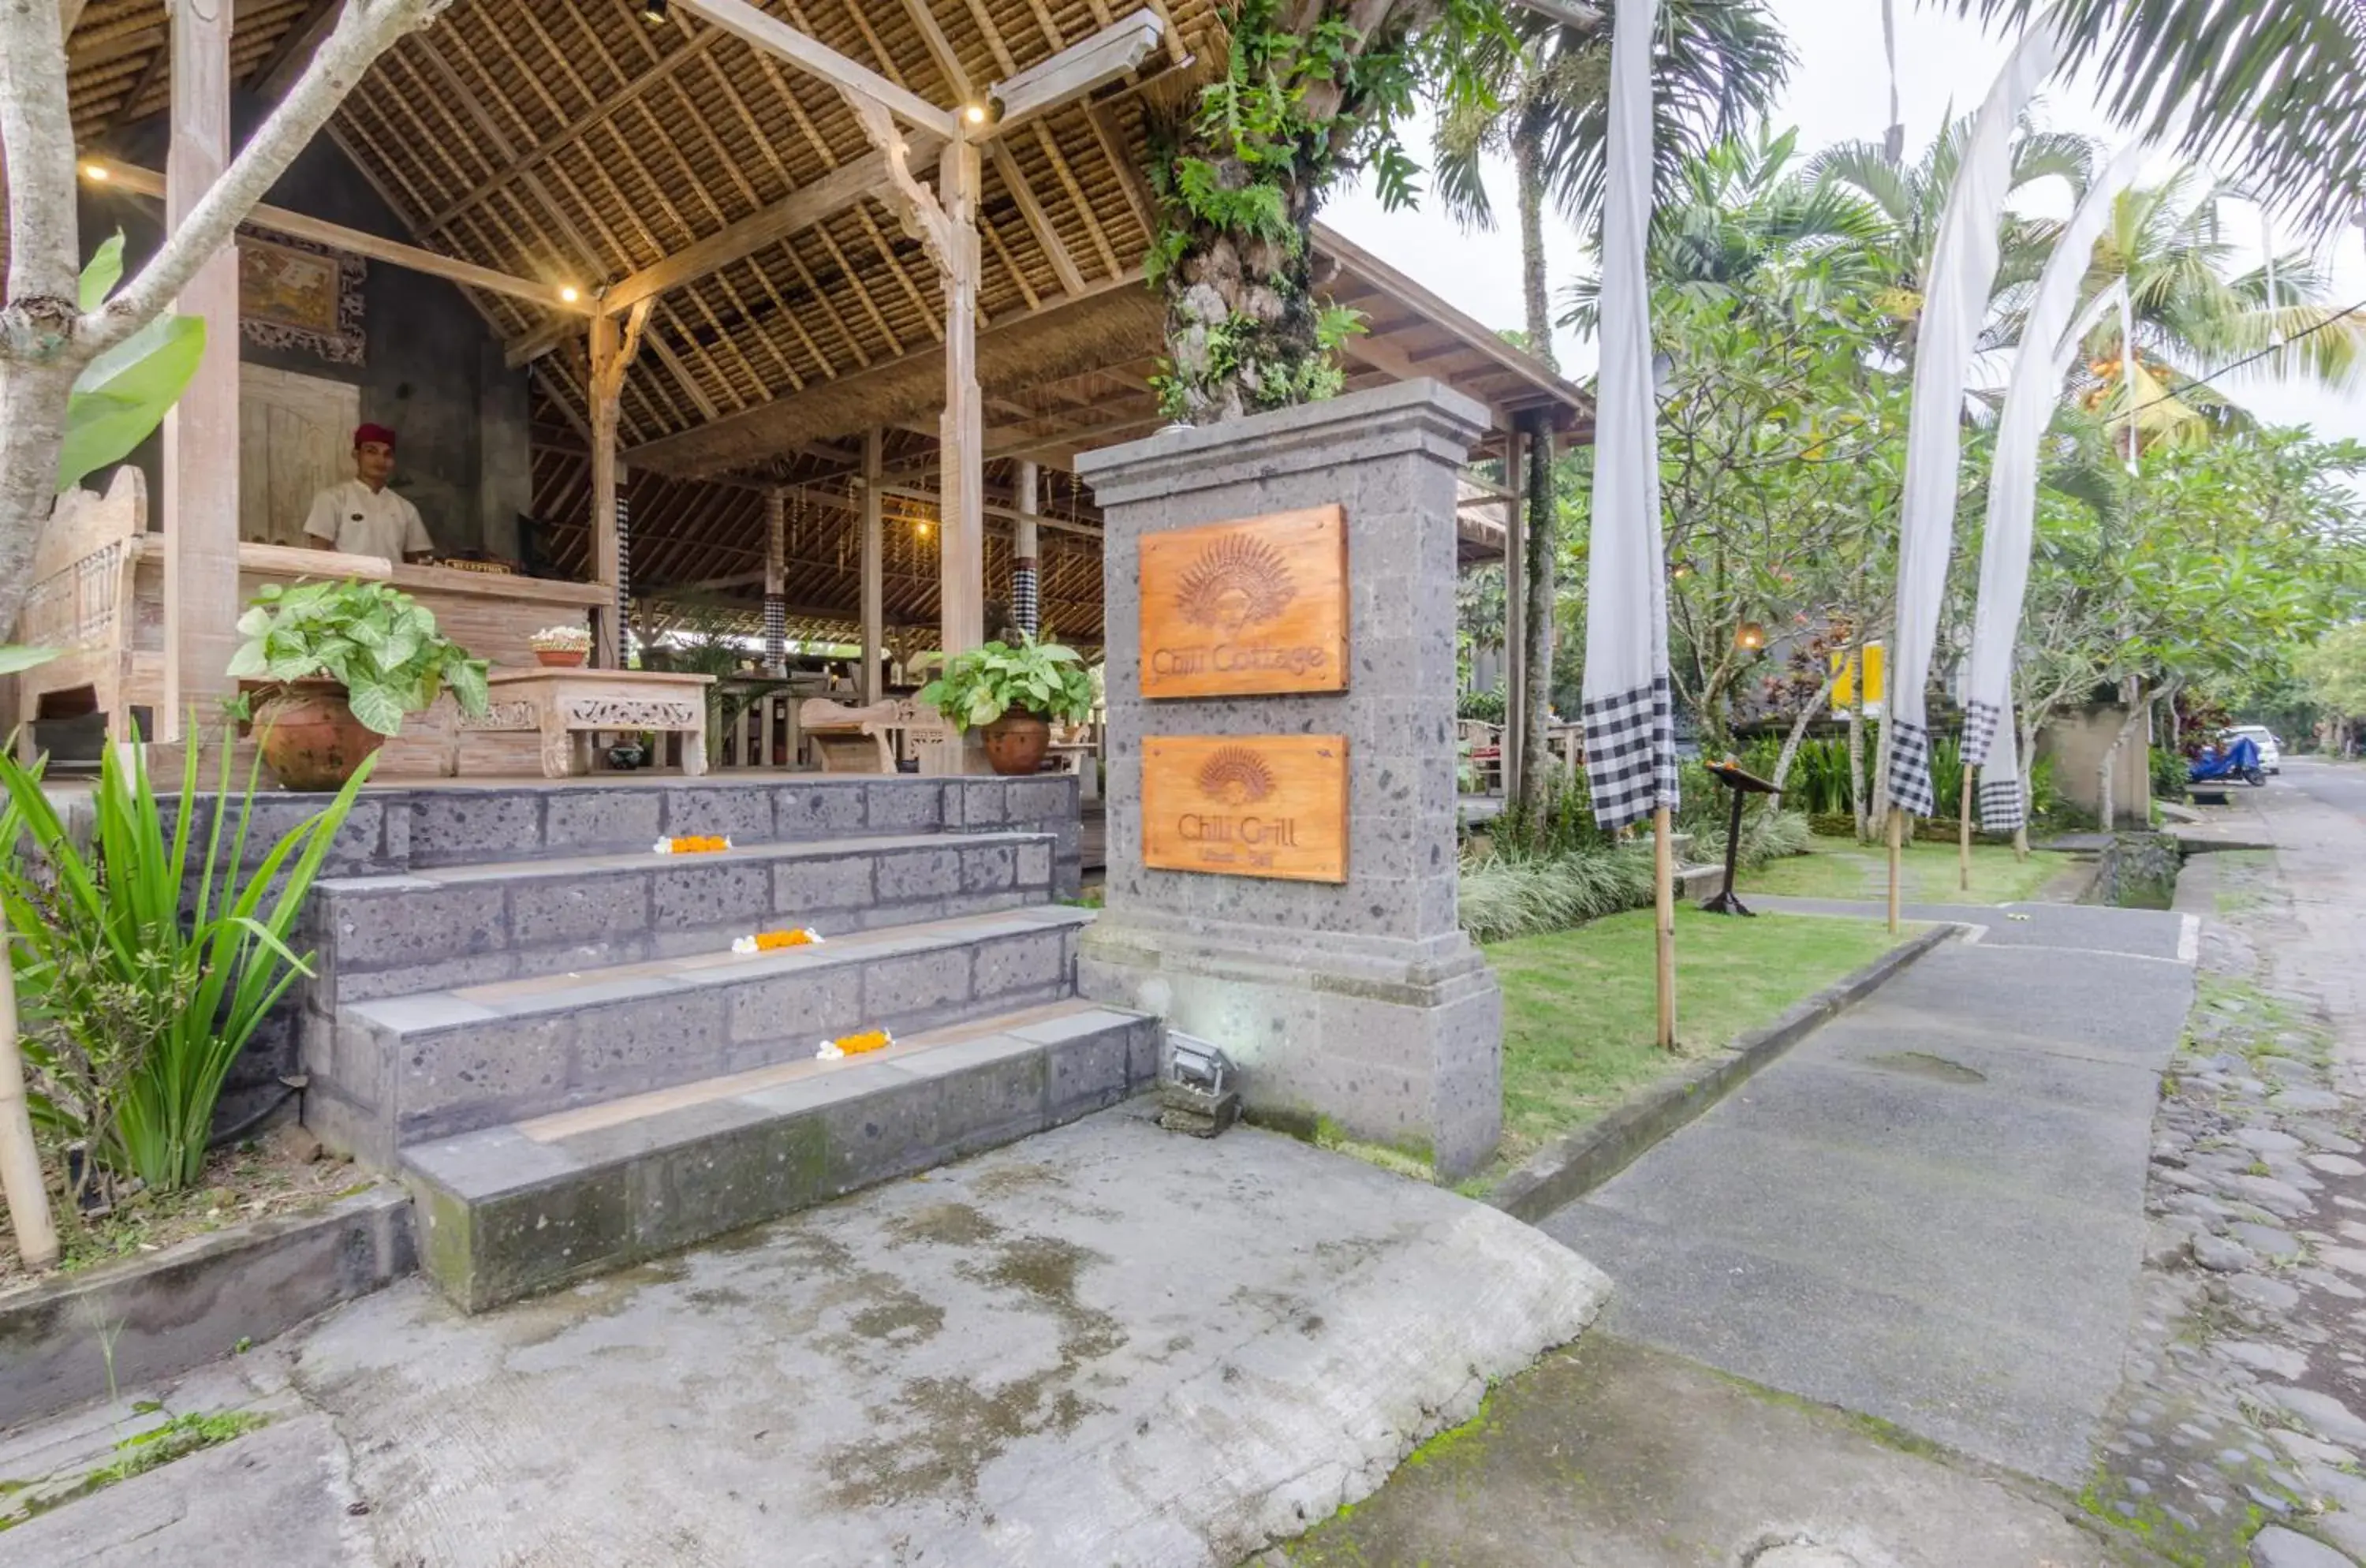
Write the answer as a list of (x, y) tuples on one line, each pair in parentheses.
[(854, 1044), (771, 941), (693, 844)]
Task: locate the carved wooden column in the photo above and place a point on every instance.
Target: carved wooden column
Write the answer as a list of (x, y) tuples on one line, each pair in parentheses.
[(776, 609), (612, 348), (1026, 581), (200, 499), (961, 438), (874, 575)]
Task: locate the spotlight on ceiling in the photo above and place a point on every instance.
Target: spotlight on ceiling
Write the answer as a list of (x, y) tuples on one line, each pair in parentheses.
[(974, 114), (95, 173), (654, 12), (569, 293)]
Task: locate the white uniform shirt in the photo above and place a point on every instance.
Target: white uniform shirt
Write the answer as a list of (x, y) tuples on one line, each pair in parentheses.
[(360, 521)]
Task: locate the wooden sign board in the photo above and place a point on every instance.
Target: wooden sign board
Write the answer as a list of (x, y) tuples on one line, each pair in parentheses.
[(1247, 804), (1247, 608)]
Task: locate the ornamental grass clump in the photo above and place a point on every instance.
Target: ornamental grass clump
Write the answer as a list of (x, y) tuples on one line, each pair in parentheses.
[(145, 963)]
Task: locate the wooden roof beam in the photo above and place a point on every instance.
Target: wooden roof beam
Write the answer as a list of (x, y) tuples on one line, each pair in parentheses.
[(802, 208), (1095, 61), (295, 50), (816, 58), (147, 182)]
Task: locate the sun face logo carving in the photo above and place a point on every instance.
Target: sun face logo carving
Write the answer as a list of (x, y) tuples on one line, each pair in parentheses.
[(1235, 775), (1237, 582)]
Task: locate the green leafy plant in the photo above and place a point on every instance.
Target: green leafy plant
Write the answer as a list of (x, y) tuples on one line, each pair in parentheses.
[(165, 923), (1484, 707), (123, 395), (378, 642), (1040, 678)]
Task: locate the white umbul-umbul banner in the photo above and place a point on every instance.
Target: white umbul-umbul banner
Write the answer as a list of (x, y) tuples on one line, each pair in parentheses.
[(2048, 339), (1954, 304), (1630, 735)]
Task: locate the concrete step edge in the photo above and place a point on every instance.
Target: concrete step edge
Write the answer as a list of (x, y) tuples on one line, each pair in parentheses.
[(517, 1208), (427, 1012), (628, 862)]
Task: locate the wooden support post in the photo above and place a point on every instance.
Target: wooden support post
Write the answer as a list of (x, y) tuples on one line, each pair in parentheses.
[(201, 437), (1897, 860), (1964, 834), (961, 434), (874, 583), (1664, 878), (1515, 612), (612, 348), (776, 562), (1026, 581)]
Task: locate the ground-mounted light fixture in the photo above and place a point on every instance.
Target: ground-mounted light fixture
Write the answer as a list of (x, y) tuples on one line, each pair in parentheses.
[(1195, 1095)]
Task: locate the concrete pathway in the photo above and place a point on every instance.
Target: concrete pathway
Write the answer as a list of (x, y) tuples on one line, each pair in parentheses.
[(1932, 1210), (1105, 1345)]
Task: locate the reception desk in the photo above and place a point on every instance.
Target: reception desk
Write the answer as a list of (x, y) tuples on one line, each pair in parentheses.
[(98, 592)]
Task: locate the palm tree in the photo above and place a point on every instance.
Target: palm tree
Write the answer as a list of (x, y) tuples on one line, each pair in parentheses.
[(2195, 314), (1911, 205), (2280, 88), (1744, 207), (1718, 65)]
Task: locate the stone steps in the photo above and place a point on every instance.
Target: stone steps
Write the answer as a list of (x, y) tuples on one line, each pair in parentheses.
[(429, 1064), (506, 1211), (477, 923)]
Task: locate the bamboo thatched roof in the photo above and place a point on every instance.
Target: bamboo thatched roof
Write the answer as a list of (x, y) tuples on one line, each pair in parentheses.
[(571, 142)]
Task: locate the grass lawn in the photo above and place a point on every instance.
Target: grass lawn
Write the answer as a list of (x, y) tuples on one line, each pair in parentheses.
[(1579, 1009), (1843, 868)]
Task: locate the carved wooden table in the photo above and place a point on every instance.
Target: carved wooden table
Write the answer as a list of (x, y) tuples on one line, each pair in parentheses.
[(567, 707)]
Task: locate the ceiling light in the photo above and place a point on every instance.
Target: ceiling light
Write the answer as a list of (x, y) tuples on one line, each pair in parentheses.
[(96, 172), (569, 293), (974, 114), (921, 529), (654, 12)]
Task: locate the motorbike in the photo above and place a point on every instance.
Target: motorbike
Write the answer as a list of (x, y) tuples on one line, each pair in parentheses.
[(2219, 764)]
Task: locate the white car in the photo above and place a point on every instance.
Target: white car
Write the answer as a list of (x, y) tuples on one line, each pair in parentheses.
[(2272, 751)]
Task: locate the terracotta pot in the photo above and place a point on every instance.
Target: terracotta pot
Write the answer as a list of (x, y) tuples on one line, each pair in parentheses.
[(1016, 743), (309, 737), (559, 657)]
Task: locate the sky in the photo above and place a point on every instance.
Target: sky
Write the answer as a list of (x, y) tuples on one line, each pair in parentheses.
[(1839, 91)]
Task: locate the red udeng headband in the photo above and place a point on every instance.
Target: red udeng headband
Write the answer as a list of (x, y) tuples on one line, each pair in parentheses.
[(376, 433)]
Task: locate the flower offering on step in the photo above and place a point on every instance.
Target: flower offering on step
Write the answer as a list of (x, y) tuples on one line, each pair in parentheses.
[(694, 844), (772, 941), (853, 1044)]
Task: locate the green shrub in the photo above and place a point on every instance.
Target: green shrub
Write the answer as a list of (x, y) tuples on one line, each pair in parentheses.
[(1482, 707), (378, 642), (1040, 678), (144, 964), (1505, 898), (2168, 774)]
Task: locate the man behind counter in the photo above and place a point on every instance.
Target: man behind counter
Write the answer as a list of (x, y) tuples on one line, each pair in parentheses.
[(361, 516)]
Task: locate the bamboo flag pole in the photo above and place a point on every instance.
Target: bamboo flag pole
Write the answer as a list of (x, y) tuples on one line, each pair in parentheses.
[(1663, 868), (20, 1162), (1897, 859), (1964, 833)]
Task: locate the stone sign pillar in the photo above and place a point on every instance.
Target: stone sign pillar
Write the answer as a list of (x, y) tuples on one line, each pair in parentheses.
[(1319, 948)]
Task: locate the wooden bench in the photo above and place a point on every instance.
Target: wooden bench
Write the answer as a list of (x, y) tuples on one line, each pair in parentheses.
[(851, 739)]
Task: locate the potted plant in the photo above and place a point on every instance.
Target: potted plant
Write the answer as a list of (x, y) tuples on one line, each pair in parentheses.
[(1011, 695), (562, 647), (333, 667)]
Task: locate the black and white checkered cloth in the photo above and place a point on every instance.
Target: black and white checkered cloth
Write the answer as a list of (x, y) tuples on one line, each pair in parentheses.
[(1023, 601), (1981, 721), (624, 578), (776, 635), (2002, 806), (1630, 753), (1910, 770)]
